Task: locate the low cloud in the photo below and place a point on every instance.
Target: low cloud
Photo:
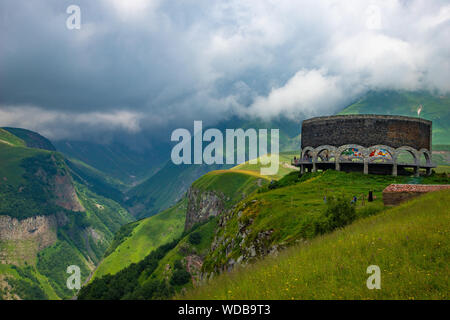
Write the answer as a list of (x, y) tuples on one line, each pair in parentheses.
[(62, 125)]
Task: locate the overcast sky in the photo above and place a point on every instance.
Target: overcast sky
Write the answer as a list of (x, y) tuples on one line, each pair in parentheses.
[(144, 64)]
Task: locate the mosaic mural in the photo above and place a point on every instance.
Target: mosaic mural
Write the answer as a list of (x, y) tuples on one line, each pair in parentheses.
[(352, 154), (380, 153)]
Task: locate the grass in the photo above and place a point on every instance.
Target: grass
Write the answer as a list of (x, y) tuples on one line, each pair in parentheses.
[(30, 280), (184, 248), (10, 139), (11, 157), (409, 243), (442, 169), (149, 234), (285, 159), (233, 184)]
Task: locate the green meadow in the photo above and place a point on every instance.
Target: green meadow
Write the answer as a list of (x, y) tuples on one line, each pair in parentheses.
[(144, 236)]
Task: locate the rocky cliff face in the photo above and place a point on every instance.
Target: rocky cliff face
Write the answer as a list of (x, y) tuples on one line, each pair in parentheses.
[(58, 183), (65, 195), (229, 249), (202, 205), (22, 240)]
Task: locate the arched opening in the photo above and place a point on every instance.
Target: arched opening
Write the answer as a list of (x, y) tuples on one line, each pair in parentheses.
[(405, 156), (325, 155), (423, 161), (307, 156)]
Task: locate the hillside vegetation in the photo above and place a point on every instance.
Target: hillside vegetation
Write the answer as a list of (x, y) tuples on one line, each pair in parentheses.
[(233, 184), (31, 139), (409, 243), (10, 139), (285, 166), (136, 240)]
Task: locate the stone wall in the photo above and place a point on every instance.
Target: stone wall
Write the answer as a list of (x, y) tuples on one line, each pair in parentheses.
[(367, 130)]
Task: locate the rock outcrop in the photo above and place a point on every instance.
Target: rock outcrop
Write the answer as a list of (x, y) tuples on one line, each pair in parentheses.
[(241, 247), (65, 195), (202, 205), (27, 237)]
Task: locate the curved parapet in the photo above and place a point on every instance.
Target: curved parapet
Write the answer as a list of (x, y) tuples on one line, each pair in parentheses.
[(366, 131)]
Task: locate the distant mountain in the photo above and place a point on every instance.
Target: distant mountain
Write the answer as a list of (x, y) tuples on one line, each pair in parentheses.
[(131, 166), (433, 107), (164, 188)]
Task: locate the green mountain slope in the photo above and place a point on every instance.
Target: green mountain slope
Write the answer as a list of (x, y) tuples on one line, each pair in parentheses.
[(434, 107), (48, 222), (284, 168), (115, 159), (136, 240), (97, 181), (10, 139), (409, 243), (32, 139)]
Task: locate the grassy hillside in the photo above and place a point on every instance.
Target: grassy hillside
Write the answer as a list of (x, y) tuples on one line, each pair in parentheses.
[(135, 241), (31, 139), (192, 247), (10, 139), (285, 167), (97, 181), (409, 243), (233, 184), (23, 191), (292, 210), (435, 108)]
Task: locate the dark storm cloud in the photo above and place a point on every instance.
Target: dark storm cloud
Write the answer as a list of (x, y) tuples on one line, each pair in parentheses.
[(144, 64)]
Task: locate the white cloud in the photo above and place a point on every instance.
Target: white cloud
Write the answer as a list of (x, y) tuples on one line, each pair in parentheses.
[(60, 125), (308, 92)]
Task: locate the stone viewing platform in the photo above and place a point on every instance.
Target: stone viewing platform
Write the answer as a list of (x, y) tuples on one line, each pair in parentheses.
[(395, 194), (379, 144)]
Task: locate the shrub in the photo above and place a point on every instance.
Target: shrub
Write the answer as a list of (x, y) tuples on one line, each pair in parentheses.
[(340, 212), (195, 238), (177, 265), (180, 277)]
